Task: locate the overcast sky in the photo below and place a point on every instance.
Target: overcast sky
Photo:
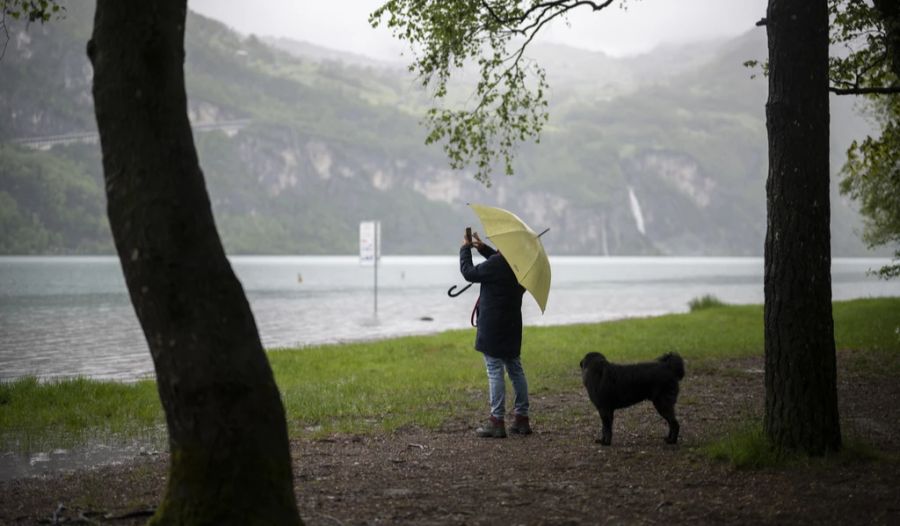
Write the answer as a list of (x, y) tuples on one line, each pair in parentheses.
[(343, 24)]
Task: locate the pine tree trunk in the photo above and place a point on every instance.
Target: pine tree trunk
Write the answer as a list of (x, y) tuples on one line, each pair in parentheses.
[(801, 392), (230, 457)]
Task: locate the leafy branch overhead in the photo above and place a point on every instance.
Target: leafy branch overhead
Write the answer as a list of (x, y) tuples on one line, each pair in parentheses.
[(30, 10), (865, 60), (871, 176), (508, 104), (866, 38)]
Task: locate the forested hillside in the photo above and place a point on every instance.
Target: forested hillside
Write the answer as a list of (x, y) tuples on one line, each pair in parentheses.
[(658, 154)]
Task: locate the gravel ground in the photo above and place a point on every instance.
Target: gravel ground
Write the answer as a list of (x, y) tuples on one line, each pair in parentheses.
[(557, 475)]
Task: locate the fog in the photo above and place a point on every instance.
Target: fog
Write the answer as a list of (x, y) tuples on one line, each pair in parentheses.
[(659, 153), (637, 28)]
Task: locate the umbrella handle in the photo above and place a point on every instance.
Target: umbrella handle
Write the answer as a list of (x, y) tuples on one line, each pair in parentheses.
[(452, 295)]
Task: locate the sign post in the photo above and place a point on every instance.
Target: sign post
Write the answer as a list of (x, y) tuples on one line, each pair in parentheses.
[(370, 250)]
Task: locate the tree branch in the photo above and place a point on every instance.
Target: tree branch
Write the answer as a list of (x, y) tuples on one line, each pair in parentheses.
[(4, 29), (4, 35), (531, 30), (886, 90), (562, 8), (543, 7), (493, 14)]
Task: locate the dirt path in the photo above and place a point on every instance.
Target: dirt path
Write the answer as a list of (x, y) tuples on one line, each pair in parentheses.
[(556, 476)]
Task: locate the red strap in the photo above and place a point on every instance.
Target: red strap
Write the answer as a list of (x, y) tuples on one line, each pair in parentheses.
[(474, 318)]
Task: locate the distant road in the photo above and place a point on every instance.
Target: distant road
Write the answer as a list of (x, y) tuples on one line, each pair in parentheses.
[(45, 143)]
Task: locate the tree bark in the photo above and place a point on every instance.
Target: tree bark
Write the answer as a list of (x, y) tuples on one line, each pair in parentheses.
[(801, 391), (230, 457)]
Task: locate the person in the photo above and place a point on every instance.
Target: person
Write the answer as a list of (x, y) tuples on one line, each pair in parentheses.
[(498, 335)]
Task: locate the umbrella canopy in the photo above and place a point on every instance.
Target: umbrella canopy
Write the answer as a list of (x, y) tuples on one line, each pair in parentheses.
[(521, 247)]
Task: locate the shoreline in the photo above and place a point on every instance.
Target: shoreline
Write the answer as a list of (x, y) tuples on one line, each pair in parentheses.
[(45, 307), (77, 420)]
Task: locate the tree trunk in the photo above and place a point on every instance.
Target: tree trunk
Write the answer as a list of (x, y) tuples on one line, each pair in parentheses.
[(230, 457), (801, 391)]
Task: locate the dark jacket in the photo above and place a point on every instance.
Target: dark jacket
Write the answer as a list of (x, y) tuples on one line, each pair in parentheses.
[(499, 331)]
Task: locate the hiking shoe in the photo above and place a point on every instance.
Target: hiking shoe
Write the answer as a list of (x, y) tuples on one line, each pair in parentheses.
[(520, 426), (493, 428)]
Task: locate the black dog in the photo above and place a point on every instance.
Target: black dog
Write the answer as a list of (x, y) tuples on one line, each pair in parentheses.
[(611, 386)]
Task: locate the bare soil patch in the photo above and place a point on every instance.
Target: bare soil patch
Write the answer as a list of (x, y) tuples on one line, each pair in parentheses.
[(558, 475)]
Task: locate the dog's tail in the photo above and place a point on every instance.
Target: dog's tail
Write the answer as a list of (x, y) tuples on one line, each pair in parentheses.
[(674, 362)]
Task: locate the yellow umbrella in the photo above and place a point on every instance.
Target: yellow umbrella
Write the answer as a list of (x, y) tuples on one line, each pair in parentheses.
[(521, 247)]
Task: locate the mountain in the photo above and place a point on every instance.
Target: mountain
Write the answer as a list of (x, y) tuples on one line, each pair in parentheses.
[(657, 154), (316, 53)]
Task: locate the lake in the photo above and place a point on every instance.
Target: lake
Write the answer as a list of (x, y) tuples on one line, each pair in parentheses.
[(71, 316)]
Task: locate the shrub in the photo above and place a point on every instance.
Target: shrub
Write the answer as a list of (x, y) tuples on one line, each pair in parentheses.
[(705, 302)]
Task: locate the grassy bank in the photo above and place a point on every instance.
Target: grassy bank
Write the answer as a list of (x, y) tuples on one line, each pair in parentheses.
[(424, 380)]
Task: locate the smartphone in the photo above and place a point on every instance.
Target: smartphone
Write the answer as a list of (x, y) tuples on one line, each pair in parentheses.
[(468, 234)]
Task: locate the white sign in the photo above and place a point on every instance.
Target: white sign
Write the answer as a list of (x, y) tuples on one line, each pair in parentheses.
[(369, 242)]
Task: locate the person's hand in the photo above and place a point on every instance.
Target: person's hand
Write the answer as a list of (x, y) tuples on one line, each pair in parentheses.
[(467, 238), (476, 241)]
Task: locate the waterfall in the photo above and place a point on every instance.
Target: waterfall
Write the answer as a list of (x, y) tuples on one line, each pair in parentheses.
[(603, 235), (636, 211)]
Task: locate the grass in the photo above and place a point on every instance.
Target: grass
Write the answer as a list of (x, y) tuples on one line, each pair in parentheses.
[(705, 302), (59, 414), (424, 380), (428, 379), (747, 448), (870, 331), (744, 448)]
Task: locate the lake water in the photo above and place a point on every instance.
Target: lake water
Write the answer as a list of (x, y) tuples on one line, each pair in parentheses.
[(69, 316)]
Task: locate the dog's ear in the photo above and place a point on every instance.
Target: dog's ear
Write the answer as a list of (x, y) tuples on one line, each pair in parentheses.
[(593, 359), (588, 358)]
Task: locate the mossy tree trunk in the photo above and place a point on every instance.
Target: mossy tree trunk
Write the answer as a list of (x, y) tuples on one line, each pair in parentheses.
[(801, 392), (230, 457)]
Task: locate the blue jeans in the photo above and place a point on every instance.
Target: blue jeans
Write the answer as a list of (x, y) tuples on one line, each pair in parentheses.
[(497, 385)]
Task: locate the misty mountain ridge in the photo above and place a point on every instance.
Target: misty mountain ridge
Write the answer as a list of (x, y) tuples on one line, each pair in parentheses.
[(316, 53), (567, 67), (630, 163)]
